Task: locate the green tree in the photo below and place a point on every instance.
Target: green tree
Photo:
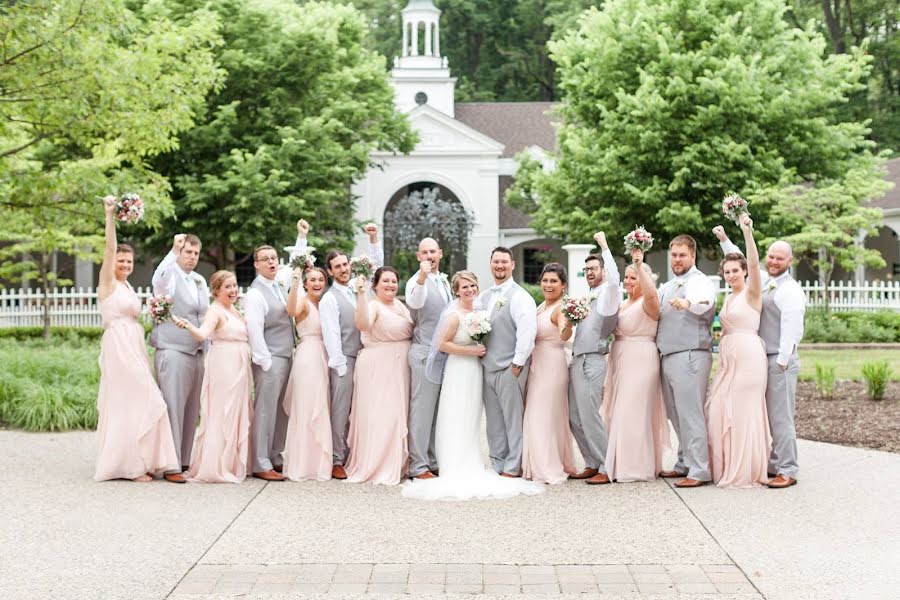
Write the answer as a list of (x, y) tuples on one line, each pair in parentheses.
[(670, 104), (303, 106)]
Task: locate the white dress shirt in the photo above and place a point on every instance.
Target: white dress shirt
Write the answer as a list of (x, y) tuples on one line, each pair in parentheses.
[(255, 310), (608, 294), (791, 301), (523, 311), (164, 278), (417, 294), (699, 291), (329, 316)]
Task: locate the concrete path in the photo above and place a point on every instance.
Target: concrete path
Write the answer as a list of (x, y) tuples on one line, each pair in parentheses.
[(836, 535)]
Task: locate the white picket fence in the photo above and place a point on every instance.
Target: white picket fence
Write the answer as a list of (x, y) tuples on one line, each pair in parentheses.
[(78, 307)]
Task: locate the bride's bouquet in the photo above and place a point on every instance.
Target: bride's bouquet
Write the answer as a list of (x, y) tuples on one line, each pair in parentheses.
[(129, 208), (638, 238), (477, 324), (160, 308), (733, 206), (575, 310), (305, 260)]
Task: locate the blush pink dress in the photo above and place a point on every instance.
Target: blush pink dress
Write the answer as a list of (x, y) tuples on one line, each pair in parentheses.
[(133, 433), (736, 418), (377, 439), (633, 411), (547, 455), (307, 453), (222, 444)]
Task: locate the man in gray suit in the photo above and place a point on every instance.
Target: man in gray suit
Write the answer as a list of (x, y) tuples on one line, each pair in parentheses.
[(179, 357), (427, 294), (588, 368), (781, 329), (513, 315), (684, 339)]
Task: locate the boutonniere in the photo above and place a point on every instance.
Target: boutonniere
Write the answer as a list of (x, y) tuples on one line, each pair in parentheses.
[(679, 283), (198, 280), (592, 296), (443, 277), (501, 302), (772, 285)]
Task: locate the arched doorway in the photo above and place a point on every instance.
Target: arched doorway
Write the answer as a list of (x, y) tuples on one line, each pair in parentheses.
[(437, 213)]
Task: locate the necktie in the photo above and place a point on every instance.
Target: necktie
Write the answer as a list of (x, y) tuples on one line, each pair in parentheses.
[(278, 293)]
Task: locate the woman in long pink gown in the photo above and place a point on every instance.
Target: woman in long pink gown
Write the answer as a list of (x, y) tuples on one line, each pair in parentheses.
[(133, 433), (736, 419), (307, 452), (546, 438), (222, 444), (633, 411), (377, 439)]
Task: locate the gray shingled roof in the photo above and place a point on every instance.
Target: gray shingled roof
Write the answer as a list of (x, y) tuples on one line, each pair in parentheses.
[(517, 125), (891, 198)]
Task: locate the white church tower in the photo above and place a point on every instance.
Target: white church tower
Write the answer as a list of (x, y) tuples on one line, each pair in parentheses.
[(420, 74)]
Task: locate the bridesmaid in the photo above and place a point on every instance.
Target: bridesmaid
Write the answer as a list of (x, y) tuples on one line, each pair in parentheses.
[(307, 453), (377, 440), (134, 436), (633, 410), (736, 418), (546, 437), (222, 445)]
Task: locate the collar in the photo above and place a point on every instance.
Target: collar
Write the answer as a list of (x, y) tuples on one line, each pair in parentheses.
[(183, 272), (504, 287), (782, 277), (341, 287)]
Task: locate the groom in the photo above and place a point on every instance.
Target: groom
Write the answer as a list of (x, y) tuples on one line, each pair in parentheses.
[(427, 294), (513, 316)]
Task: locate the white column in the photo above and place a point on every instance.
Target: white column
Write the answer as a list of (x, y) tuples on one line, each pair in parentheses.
[(437, 39), (405, 51), (428, 39), (860, 275), (577, 253), (415, 39)]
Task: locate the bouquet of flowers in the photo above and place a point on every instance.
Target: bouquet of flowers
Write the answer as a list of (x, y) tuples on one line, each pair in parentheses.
[(160, 308), (638, 238), (361, 266), (477, 324), (575, 310), (129, 208), (304, 260), (733, 206)]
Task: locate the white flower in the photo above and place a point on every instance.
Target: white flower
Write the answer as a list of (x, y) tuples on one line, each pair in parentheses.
[(198, 280), (679, 283), (501, 302), (772, 285), (443, 277)]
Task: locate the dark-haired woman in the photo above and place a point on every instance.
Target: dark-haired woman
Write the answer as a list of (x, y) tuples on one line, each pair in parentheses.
[(378, 414), (134, 436), (546, 437)]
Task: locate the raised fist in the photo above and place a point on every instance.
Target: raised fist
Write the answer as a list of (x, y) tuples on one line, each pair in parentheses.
[(109, 204), (302, 228), (746, 221), (178, 243), (719, 232), (371, 230), (600, 238), (637, 256), (425, 266)]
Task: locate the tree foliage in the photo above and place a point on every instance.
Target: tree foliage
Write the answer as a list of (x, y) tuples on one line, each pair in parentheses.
[(671, 104), (303, 106)]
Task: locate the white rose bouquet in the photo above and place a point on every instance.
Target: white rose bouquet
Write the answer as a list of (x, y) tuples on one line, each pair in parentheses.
[(477, 324)]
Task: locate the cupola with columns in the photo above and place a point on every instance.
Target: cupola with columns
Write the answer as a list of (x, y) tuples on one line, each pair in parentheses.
[(420, 74)]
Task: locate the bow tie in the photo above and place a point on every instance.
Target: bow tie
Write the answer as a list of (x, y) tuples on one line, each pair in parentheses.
[(496, 288)]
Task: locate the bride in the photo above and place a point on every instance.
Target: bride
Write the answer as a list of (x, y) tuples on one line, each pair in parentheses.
[(455, 361)]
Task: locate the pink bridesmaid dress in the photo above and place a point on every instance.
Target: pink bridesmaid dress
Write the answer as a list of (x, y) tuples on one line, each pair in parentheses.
[(377, 439), (547, 455), (134, 436), (222, 444), (736, 418), (633, 411), (307, 453)]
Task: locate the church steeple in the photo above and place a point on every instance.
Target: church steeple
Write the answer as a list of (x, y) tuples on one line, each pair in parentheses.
[(421, 18)]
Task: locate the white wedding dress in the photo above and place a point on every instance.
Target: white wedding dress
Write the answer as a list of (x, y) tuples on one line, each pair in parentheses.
[(463, 475)]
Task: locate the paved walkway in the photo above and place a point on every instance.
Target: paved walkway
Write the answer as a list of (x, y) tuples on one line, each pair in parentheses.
[(836, 535)]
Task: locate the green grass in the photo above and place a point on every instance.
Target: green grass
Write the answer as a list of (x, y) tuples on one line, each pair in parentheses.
[(847, 363)]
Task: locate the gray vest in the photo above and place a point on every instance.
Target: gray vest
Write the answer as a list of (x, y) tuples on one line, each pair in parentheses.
[(681, 330), (426, 318), (166, 336), (278, 328), (350, 340), (501, 341), (592, 334)]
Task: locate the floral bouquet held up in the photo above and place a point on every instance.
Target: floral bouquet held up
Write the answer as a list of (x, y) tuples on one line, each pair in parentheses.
[(361, 266), (477, 324), (129, 208), (160, 308), (305, 260), (733, 206), (575, 310), (639, 238)]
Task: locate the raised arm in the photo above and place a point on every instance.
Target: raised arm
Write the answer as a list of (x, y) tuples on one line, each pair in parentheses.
[(726, 244), (107, 283), (297, 303), (754, 279), (651, 299), (364, 317), (211, 322)]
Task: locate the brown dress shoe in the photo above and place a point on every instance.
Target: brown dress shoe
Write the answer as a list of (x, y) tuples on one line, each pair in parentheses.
[(425, 475), (269, 475), (510, 475), (586, 474), (338, 472), (671, 474), (782, 481), (598, 479), (687, 482), (278, 468), (175, 478)]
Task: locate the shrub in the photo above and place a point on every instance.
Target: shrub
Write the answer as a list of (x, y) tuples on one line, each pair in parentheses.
[(535, 291), (877, 374), (825, 381), (849, 327)]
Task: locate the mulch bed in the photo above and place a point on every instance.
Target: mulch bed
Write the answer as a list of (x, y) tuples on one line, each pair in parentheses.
[(850, 418)]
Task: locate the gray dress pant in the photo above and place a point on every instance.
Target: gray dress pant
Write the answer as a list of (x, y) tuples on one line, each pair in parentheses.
[(423, 401), (781, 391), (341, 397), (180, 379), (685, 377), (269, 428), (504, 409), (586, 375)]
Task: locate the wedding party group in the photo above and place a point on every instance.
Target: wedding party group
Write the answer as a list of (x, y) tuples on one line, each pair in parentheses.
[(319, 373)]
